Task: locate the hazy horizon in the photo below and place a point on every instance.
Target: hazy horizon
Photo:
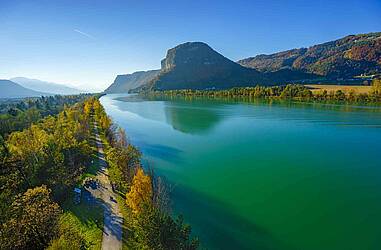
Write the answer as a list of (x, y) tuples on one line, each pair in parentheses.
[(86, 44)]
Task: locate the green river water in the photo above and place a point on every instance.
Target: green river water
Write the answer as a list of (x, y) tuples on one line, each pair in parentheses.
[(264, 175)]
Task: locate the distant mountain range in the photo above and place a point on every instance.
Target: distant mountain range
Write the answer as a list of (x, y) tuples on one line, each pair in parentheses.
[(124, 83), (195, 65), (44, 86), (340, 59), (9, 89)]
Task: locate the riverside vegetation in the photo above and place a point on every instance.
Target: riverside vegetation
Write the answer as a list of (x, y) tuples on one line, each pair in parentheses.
[(289, 91), (42, 159)]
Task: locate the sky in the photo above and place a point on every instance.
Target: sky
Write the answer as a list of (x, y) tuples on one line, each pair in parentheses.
[(87, 43)]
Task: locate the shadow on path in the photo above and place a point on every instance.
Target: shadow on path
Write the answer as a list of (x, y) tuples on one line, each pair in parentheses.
[(113, 220)]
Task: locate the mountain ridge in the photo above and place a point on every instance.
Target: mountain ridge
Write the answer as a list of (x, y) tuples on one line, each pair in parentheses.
[(343, 58), (9, 89), (44, 86), (126, 82)]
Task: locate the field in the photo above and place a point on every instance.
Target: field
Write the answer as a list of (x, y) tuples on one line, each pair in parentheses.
[(344, 88)]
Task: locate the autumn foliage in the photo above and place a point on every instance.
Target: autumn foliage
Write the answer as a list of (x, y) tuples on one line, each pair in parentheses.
[(39, 166), (140, 194), (33, 221)]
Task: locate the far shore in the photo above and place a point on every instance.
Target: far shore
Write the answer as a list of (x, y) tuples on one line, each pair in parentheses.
[(345, 88)]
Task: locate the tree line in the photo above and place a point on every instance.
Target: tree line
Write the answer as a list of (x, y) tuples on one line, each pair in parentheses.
[(15, 115), (289, 91)]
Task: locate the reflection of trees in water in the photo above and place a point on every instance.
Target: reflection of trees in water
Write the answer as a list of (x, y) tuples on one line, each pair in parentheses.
[(199, 115), (206, 112), (188, 116), (192, 117), (139, 106), (328, 105)]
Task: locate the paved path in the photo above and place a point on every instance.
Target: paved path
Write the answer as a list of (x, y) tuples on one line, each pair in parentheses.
[(113, 220)]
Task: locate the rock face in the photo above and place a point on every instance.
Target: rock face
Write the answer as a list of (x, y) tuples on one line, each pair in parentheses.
[(9, 89), (124, 83), (344, 58), (195, 65)]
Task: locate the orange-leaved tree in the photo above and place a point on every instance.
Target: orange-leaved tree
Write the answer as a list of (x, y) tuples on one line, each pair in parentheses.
[(140, 194)]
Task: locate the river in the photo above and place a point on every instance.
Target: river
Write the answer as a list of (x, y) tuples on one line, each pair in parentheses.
[(264, 175)]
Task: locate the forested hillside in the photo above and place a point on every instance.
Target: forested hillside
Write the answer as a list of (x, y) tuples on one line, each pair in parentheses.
[(343, 58)]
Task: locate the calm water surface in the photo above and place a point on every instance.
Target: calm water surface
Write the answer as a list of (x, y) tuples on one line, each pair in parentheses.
[(264, 175)]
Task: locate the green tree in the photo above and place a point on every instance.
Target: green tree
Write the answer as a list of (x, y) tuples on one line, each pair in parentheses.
[(69, 238), (154, 229)]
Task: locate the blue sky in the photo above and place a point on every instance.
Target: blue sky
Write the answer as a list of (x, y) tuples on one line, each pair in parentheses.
[(87, 43)]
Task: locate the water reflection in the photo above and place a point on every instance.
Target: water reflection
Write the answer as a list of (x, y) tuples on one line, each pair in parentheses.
[(198, 118), (199, 115), (192, 120)]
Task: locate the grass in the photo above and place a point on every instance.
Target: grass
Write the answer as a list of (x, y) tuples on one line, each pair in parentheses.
[(88, 219), (345, 88)]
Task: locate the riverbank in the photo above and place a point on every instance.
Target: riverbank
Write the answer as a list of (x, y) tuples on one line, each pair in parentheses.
[(334, 94), (316, 88)]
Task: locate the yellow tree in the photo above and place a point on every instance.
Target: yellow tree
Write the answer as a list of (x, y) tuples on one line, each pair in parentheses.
[(33, 221), (141, 192), (28, 147), (87, 107), (376, 86), (105, 121)]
